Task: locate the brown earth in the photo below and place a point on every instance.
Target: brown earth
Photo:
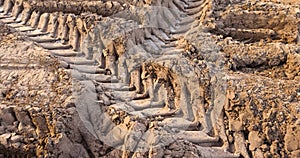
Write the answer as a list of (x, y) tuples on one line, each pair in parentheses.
[(207, 78)]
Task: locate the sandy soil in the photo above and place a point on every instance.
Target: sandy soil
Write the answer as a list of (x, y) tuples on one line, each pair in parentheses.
[(174, 78)]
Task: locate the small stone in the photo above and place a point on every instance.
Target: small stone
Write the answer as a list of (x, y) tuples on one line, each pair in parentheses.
[(200, 62), (66, 77), (152, 124), (174, 146), (16, 138), (235, 125), (168, 152), (9, 78), (255, 140), (195, 61), (71, 110), (16, 145), (4, 137), (109, 5)]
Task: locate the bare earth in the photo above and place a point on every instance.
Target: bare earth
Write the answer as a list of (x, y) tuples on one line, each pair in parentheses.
[(152, 78)]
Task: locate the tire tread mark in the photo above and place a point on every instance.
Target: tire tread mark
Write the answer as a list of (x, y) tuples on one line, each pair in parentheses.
[(110, 61)]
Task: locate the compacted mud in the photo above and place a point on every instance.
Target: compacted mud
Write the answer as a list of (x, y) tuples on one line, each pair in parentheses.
[(170, 78)]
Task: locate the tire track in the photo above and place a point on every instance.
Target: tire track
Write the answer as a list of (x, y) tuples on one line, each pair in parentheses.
[(140, 88)]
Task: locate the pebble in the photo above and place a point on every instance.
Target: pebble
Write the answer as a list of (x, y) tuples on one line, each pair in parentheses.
[(10, 78), (255, 140), (195, 61), (6, 82), (109, 5), (66, 77), (16, 145), (200, 62), (71, 110), (4, 137), (16, 138)]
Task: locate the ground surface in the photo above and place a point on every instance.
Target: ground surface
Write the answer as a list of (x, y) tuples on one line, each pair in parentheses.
[(207, 78)]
